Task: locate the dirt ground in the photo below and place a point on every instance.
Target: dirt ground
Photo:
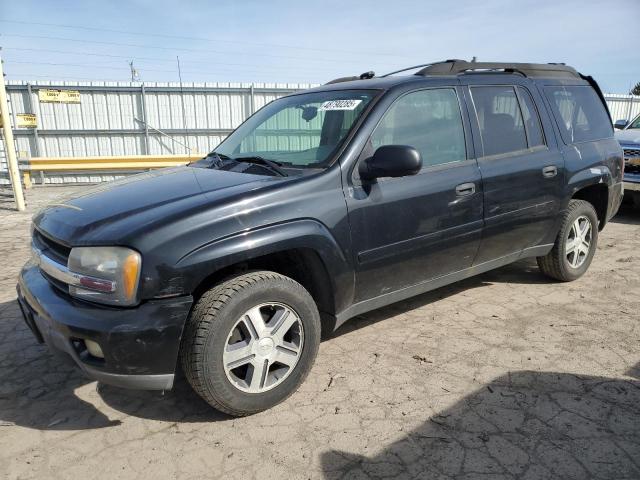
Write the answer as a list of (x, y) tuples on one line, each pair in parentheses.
[(503, 376)]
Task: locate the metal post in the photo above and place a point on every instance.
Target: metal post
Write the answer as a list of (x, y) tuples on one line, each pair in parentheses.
[(253, 100), (184, 116), (9, 145), (144, 119), (629, 109), (36, 148)]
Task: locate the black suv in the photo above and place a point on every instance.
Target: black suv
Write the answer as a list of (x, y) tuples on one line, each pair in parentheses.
[(323, 205)]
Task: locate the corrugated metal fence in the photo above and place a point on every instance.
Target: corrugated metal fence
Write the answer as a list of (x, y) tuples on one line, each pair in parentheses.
[(121, 118), (623, 107)]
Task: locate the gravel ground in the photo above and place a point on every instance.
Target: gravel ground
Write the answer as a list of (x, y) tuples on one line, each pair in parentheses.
[(506, 375)]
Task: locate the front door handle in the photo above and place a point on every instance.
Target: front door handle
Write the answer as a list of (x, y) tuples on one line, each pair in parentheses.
[(465, 189), (550, 171)]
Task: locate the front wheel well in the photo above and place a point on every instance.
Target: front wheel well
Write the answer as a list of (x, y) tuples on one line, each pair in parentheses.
[(598, 196), (303, 265)]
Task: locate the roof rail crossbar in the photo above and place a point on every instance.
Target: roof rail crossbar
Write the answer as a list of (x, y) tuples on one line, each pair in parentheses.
[(415, 66), (455, 67), (363, 76)]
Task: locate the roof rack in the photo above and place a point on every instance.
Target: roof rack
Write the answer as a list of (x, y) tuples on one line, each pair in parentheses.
[(414, 67), (455, 67), (362, 76)]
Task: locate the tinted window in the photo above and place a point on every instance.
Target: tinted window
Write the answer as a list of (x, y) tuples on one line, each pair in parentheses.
[(531, 118), (428, 120), (500, 120), (580, 113)]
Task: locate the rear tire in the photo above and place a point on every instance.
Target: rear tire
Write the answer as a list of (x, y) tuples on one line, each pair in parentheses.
[(575, 244), (250, 342)]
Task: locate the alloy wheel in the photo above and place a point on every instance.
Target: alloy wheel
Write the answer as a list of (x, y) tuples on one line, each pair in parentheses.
[(263, 347), (578, 242)]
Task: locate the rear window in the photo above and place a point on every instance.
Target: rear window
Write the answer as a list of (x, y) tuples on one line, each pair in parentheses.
[(580, 113), (500, 120)]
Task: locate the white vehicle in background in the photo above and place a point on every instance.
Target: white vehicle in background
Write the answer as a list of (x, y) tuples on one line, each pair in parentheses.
[(628, 135)]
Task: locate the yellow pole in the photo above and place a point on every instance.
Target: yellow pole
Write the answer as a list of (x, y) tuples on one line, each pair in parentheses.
[(9, 145)]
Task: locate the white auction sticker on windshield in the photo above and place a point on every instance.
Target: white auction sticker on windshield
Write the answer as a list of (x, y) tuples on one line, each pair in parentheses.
[(340, 105)]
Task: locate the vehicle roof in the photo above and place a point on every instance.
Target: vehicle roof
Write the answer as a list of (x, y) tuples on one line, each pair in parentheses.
[(453, 69)]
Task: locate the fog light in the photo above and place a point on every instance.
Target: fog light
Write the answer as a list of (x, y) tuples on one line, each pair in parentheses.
[(94, 349)]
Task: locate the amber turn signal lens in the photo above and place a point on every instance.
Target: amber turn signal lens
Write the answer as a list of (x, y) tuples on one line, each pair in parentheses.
[(130, 272)]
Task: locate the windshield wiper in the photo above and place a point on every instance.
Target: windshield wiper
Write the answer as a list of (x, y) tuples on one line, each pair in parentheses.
[(217, 159), (265, 162), (211, 160)]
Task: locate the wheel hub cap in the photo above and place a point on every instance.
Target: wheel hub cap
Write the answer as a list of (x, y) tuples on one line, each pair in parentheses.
[(266, 346), (263, 347)]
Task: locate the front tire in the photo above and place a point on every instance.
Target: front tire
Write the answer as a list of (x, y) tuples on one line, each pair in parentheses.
[(250, 342), (575, 244)]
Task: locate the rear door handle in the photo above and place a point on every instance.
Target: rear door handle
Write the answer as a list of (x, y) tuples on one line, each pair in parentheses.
[(550, 171), (465, 189)]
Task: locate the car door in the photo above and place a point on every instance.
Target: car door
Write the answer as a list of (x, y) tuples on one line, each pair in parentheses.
[(521, 166), (410, 229)]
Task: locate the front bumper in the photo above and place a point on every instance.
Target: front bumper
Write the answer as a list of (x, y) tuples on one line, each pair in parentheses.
[(140, 345)]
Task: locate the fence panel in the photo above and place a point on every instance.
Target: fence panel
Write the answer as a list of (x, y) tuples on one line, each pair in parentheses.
[(623, 107)]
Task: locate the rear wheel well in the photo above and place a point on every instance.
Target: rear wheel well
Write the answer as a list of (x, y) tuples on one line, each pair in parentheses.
[(303, 265), (598, 196)]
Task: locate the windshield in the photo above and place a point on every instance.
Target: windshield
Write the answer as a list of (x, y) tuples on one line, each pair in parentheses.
[(301, 131)]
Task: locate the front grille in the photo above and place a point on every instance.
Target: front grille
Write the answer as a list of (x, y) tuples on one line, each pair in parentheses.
[(630, 153), (55, 282), (632, 160), (52, 249), (629, 168)]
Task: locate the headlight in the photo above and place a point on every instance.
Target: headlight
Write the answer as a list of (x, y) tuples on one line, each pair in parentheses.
[(105, 274)]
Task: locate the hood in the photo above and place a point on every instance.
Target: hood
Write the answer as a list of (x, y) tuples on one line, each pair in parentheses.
[(107, 213), (629, 136)]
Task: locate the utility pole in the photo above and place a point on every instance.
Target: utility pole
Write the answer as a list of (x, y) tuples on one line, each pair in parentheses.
[(9, 145), (135, 76)]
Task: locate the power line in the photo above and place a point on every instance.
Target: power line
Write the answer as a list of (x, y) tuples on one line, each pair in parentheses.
[(200, 39), (70, 52), (316, 68), (158, 47), (54, 78)]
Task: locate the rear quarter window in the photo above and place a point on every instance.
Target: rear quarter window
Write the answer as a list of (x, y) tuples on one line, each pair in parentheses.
[(580, 114)]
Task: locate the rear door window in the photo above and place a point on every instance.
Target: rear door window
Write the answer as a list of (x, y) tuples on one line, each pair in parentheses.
[(531, 119), (580, 113), (500, 120)]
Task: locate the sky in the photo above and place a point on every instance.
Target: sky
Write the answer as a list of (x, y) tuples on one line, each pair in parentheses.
[(307, 41)]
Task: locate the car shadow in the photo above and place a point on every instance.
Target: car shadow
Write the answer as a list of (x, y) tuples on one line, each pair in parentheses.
[(627, 215), (7, 202), (38, 388), (529, 425), (634, 371), (523, 272)]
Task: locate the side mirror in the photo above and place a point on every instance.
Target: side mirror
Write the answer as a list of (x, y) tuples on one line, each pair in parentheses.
[(620, 124), (391, 161)]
